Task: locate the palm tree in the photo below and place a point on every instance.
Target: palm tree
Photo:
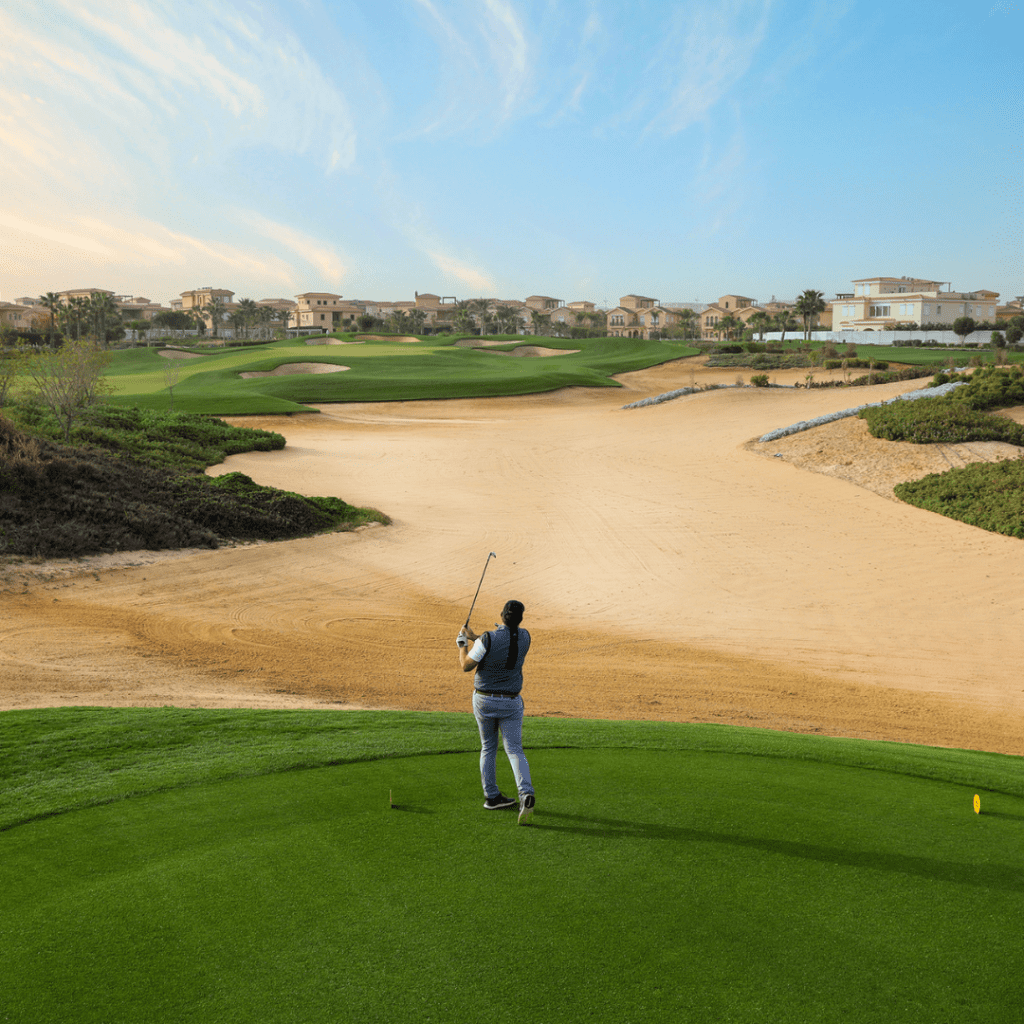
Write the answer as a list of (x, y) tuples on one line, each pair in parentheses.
[(760, 322), (248, 315), (53, 302), (462, 318), (540, 321), (78, 311), (481, 309), (267, 315), (104, 313), (728, 324), (398, 321), (808, 306), (282, 315), (687, 321), (417, 321), (198, 319), (598, 320), (784, 321), (215, 309), (506, 318)]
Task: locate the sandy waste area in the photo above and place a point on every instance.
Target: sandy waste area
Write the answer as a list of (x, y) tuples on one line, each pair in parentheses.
[(672, 568)]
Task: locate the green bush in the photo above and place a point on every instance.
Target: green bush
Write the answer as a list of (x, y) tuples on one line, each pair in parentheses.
[(58, 501), (939, 421), (178, 440), (759, 380), (992, 388), (855, 364), (762, 361), (989, 495)]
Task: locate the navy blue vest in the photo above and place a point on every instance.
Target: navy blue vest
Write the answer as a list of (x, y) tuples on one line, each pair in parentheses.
[(502, 666)]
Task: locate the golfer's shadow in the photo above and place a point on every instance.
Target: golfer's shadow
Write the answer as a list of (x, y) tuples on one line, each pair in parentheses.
[(1007, 877)]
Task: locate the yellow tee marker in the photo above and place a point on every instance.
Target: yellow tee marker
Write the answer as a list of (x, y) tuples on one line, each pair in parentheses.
[(977, 804)]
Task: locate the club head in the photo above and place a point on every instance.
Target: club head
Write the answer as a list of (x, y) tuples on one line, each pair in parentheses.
[(492, 555)]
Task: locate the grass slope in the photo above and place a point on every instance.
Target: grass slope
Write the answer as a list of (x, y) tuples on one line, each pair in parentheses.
[(674, 873), (133, 480)]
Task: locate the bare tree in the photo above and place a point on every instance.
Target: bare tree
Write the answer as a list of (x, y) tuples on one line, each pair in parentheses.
[(68, 380)]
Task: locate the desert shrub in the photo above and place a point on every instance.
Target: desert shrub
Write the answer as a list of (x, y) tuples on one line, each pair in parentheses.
[(759, 380), (63, 501), (989, 495), (234, 506), (178, 440), (992, 388), (939, 421), (890, 376), (855, 364), (762, 361)]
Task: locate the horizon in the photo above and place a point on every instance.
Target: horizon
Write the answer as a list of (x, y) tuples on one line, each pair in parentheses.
[(580, 149)]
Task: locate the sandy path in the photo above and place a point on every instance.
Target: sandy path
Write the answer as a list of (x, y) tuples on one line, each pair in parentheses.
[(669, 569)]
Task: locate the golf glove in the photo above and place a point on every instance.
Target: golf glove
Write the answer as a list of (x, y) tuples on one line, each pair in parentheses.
[(460, 640)]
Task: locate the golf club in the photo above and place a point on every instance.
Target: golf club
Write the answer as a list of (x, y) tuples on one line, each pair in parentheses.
[(478, 586)]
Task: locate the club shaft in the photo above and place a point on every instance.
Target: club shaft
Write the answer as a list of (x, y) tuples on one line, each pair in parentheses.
[(478, 586)]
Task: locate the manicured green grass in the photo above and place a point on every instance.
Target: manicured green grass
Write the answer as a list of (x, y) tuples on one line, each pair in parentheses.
[(171, 865), (388, 370)]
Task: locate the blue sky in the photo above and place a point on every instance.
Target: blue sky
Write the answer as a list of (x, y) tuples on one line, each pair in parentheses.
[(583, 149)]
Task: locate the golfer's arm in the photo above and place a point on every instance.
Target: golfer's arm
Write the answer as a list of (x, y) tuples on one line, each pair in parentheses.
[(465, 661)]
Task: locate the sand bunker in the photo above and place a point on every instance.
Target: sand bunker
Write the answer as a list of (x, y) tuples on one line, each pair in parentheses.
[(285, 369), (176, 353), (533, 350), (669, 569), (522, 350), (333, 341), (389, 337)]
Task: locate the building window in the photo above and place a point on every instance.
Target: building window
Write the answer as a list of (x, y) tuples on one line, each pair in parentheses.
[(879, 311)]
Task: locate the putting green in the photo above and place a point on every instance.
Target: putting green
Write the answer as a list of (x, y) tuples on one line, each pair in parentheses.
[(654, 886)]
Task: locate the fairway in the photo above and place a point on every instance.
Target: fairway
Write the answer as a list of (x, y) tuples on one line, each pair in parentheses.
[(279, 376), (770, 878)]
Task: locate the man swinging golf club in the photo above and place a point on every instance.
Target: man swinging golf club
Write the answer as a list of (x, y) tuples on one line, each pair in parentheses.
[(497, 658)]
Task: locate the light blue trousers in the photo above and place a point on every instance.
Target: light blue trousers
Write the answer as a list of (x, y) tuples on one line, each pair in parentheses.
[(504, 715)]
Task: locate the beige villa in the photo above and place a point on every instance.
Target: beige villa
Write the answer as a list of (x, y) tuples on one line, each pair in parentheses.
[(640, 316), (882, 303)]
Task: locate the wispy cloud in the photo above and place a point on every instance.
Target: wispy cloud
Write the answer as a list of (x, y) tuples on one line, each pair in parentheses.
[(704, 53), (145, 77), (55, 234), (487, 59), (474, 278), (70, 247), (318, 254)]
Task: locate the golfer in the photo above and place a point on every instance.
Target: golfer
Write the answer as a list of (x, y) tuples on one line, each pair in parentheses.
[(497, 657)]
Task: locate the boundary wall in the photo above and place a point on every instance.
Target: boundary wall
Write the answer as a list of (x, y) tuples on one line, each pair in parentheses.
[(882, 337)]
